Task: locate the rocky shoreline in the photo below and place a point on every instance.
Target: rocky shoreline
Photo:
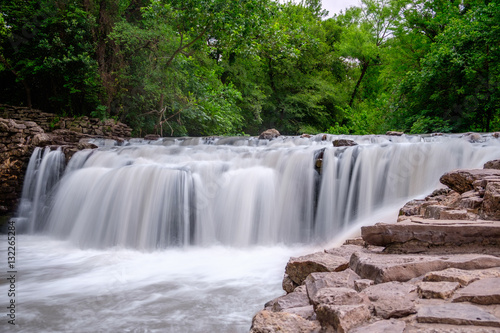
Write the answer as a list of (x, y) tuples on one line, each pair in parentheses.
[(437, 269), (22, 129)]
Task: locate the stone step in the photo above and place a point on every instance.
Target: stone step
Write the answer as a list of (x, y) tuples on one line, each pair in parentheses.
[(433, 232)]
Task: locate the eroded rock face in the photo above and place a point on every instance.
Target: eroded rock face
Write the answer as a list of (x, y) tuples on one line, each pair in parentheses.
[(342, 318), (316, 281)]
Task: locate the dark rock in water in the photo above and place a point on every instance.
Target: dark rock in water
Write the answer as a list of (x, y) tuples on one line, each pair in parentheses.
[(495, 164), (394, 133), (269, 134), (344, 143), (472, 137), (152, 137)]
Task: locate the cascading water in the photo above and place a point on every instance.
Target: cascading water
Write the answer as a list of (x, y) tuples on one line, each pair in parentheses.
[(203, 228)]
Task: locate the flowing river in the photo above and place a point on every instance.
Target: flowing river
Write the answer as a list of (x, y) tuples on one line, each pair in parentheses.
[(192, 235)]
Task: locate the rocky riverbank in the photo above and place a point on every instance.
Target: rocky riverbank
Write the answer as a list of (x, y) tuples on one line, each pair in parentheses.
[(436, 270), (23, 129)]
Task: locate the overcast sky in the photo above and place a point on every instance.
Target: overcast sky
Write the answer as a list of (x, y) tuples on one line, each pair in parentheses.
[(335, 6)]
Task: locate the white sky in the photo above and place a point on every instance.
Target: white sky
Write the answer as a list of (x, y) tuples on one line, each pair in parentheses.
[(335, 6)]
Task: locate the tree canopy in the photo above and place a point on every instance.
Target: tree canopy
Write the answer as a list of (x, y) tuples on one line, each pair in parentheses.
[(223, 67)]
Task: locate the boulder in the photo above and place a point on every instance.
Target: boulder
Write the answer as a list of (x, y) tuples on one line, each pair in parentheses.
[(462, 180), (484, 291), (152, 137), (344, 143), (442, 290), (362, 284), (288, 285), (269, 134), (299, 268), (392, 299), (271, 322), (343, 318), (306, 312), (456, 314)]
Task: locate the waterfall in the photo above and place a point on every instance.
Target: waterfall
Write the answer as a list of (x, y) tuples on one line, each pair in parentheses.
[(232, 191)]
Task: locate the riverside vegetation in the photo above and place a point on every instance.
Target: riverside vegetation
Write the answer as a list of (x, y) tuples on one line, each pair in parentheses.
[(219, 67)]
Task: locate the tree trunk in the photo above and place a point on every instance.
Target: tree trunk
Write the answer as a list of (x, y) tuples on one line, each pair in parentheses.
[(364, 68)]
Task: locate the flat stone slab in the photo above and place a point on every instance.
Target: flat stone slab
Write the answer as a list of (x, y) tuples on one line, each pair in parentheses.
[(299, 268), (392, 299), (484, 291), (381, 267), (464, 277), (382, 326), (433, 232), (442, 328), (456, 314), (442, 290), (336, 296)]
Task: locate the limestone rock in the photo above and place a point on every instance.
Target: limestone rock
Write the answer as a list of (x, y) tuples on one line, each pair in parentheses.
[(336, 296), (434, 211), (299, 268), (440, 290), (462, 180), (271, 322), (382, 326), (464, 277), (346, 250), (392, 299), (295, 299), (288, 285), (306, 312), (454, 214), (269, 134), (344, 143), (484, 291), (456, 314), (316, 281), (391, 267), (343, 318)]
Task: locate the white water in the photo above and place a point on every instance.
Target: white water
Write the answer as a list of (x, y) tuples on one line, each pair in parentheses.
[(189, 237)]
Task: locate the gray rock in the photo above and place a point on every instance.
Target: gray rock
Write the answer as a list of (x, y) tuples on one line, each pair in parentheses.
[(456, 314), (484, 291), (394, 133), (362, 284)]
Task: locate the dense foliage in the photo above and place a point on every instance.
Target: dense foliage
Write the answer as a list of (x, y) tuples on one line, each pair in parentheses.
[(224, 67)]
